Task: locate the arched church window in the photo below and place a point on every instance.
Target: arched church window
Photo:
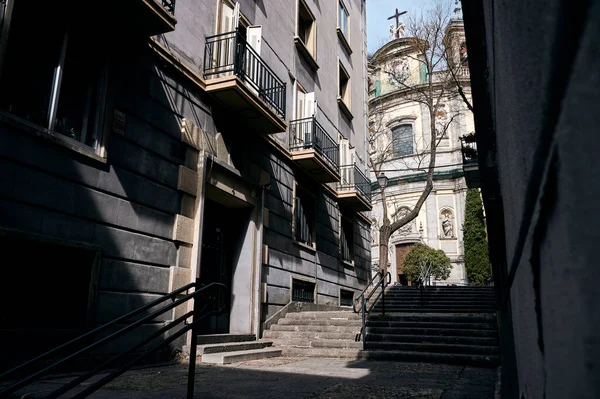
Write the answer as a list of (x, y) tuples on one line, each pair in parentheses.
[(402, 140)]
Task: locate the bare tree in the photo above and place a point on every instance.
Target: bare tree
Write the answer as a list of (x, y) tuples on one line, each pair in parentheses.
[(424, 70)]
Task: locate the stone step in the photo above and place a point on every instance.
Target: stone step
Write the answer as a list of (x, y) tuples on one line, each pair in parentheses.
[(334, 315), (462, 340), (227, 347), (224, 338), (430, 324), (316, 328), (318, 343), (428, 309), (441, 317), (436, 304), (441, 295), (434, 347), (455, 332), (240, 356), (439, 288), (442, 305), (427, 357), (308, 335), (319, 322), (322, 352), (460, 299)]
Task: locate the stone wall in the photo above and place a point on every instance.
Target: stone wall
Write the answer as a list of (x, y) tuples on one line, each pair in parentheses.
[(535, 98)]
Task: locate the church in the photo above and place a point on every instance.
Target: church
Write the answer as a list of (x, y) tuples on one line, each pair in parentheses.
[(401, 83)]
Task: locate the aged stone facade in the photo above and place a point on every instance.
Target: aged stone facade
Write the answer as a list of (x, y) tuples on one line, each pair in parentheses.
[(400, 131), (165, 150)]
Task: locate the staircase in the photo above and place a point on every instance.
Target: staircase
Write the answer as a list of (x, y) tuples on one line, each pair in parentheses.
[(232, 348), (436, 324), (318, 334)]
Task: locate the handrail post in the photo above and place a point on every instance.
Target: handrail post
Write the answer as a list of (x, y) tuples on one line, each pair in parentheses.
[(193, 346), (364, 326), (382, 294)]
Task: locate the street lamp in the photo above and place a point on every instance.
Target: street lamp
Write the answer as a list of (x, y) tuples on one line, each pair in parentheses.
[(382, 179)]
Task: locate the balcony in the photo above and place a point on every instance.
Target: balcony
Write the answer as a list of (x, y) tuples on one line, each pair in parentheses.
[(314, 150), (236, 75), (354, 189), (151, 17), (468, 147)]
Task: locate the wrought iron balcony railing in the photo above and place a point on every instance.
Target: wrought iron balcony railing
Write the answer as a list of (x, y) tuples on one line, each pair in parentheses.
[(308, 134), (353, 179), (468, 147), (169, 5), (229, 54)]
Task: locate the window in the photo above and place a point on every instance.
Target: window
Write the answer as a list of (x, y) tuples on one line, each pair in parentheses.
[(304, 217), (307, 29), (343, 20), (302, 126), (343, 85), (402, 137), (347, 239), (56, 80), (303, 291), (346, 297)]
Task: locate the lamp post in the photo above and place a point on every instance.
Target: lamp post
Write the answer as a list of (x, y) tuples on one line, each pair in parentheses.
[(382, 179), (384, 230)]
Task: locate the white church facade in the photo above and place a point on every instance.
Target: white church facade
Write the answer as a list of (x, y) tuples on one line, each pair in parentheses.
[(400, 142)]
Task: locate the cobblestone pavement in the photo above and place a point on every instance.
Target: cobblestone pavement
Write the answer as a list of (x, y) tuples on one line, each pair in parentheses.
[(301, 378)]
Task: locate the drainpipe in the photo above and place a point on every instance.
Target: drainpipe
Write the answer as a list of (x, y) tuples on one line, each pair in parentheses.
[(257, 264), (363, 16)]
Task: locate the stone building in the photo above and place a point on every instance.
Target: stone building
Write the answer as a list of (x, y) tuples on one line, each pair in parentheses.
[(536, 98), (400, 136), (152, 143)]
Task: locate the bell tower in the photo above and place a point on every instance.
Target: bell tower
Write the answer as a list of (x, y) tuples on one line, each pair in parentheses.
[(455, 39)]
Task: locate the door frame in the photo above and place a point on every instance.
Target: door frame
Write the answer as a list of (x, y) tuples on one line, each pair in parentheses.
[(217, 175)]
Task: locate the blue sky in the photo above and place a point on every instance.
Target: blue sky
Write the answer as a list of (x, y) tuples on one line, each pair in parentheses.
[(378, 11)]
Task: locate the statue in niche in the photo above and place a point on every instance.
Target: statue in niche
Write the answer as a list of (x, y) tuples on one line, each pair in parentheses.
[(374, 232), (447, 224)]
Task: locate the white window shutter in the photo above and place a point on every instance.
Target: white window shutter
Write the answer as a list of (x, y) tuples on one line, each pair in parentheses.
[(254, 37), (309, 104), (344, 152), (236, 15), (226, 18)]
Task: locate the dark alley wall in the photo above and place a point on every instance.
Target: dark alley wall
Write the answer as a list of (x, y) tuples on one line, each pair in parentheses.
[(535, 93)]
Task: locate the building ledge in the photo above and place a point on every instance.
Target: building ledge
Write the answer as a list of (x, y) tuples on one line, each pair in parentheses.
[(168, 56), (241, 100), (316, 165), (55, 138), (306, 53), (344, 107), (344, 41)]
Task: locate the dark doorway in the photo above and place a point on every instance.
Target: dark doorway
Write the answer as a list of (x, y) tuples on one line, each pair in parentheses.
[(223, 233), (401, 251)]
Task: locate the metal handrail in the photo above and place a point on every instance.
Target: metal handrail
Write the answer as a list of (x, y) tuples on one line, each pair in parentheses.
[(468, 150), (196, 315), (308, 133), (169, 5), (352, 178), (364, 309), (425, 275), (230, 53)]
